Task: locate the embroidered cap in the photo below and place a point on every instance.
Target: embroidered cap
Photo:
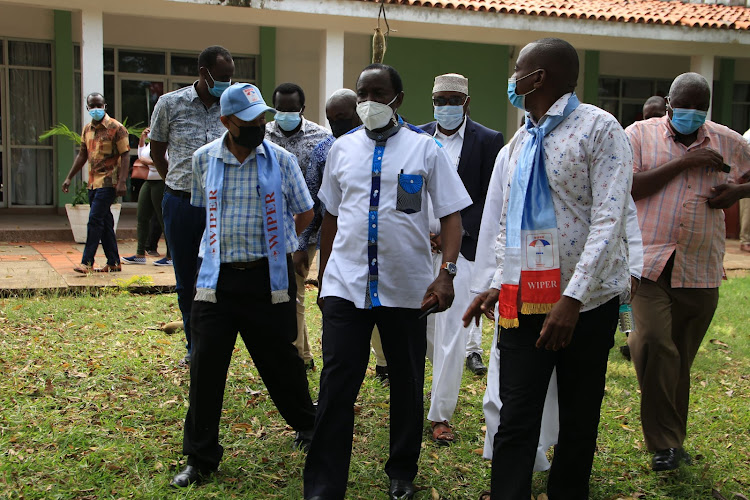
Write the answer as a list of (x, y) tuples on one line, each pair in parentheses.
[(451, 82), (244, 101)]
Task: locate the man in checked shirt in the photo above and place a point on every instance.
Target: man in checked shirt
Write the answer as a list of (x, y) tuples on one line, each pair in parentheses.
[(685, 170)]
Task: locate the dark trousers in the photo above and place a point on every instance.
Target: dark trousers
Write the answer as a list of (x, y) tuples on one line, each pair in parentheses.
[(524, 376), (243, 305), (149, 207), (346, 350), (183, 229), (101, 227), (669, 327)]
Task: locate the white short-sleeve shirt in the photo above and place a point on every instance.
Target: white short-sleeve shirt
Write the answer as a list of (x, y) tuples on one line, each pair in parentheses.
[(404, 259)]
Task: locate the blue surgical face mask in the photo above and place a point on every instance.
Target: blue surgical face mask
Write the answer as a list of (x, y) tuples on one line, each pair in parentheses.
[(288, 120), (518, 100), (687, 121), (449, 117), (97, 114), (219, 87)]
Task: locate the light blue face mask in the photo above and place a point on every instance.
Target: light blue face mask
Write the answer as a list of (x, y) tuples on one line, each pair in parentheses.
[(288, 120), (449, 117), (687, 121), (219, 87), (515, 99), (97, 114)]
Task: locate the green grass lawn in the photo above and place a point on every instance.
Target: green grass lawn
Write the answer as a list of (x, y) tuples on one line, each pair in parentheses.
[(92, 403)]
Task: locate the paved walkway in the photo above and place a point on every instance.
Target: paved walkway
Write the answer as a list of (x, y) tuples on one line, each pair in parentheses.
[(48, 265)]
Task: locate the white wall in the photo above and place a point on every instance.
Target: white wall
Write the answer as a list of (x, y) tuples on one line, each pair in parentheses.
[(356, 57), (642, 65), (26, 22), (189, 36), (298, 61)]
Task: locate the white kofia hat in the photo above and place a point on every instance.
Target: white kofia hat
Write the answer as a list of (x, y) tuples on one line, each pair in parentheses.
[(451, 82)]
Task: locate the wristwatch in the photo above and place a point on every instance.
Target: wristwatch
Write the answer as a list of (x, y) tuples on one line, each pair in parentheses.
[(450, 267)]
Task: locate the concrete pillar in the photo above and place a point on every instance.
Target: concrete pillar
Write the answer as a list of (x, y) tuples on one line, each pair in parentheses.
[(267, 80), (331, 69), (705, 66), (64, 103), (92, 61), (591, 77), (514, 115)]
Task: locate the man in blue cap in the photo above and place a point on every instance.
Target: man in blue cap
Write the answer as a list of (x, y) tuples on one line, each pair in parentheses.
[(256, 204)]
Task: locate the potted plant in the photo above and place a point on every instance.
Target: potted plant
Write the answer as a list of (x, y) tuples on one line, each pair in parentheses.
[(78, 210)]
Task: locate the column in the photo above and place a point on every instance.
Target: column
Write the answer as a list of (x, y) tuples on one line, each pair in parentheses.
[(725, 92), (267, 66), (705, 66), (514, 115), (331, 68), (92, 61), (64, 102), (591, 77)]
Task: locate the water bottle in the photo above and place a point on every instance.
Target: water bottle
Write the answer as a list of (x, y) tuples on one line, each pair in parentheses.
[(627, 324)]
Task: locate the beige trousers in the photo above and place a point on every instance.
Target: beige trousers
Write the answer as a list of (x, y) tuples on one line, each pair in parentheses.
[(669, 326), (745, 220), (301, 343)]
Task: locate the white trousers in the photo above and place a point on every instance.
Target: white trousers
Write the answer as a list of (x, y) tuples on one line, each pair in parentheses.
[(446, 343), (491, 405)]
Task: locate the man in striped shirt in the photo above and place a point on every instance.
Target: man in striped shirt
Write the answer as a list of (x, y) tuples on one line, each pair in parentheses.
[(685, 171)]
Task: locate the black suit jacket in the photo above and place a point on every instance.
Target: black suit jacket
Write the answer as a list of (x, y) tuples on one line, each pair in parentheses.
[(478, 153)]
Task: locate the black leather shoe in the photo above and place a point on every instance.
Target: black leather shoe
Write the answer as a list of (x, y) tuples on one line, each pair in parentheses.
[(188, 476), (625, 351), (475, 365), (302, 440), (310, 366), (401, 489), (669, 459), (381, 373)]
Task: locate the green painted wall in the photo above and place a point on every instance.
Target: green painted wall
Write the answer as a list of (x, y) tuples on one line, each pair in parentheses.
[(420, 61), (64, 150), (267, 64), (591, 77), (724, 92)]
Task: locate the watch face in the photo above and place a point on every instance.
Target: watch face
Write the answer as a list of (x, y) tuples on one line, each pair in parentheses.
[(451, 268)]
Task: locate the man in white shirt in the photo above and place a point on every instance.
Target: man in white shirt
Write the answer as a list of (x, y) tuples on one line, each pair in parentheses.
[(472, 149), (376, 270), (575, 160)]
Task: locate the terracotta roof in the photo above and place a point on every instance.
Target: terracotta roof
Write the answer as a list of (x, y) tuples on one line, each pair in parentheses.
[(674, 13)]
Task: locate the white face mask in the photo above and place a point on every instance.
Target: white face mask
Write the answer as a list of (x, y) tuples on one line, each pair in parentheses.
[(375, 115)]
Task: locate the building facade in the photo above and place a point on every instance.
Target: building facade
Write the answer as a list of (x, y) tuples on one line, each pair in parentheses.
[(53, 53)]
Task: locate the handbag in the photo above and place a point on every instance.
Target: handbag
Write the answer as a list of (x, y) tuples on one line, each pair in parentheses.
[(140, 171)]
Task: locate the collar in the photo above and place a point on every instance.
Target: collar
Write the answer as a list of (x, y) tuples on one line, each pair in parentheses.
[(193, 92), (222, 152), (461, 132), (669, 132), (104, 123), (384, 136), (557, 109)]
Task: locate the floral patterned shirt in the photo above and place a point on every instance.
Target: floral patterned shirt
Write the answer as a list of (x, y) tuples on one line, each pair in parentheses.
[(589, 168), (104, 143)]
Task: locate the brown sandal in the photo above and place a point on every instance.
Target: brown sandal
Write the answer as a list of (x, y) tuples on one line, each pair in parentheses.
[(485, 495), (84, 268), (442, 433), (109, 268)]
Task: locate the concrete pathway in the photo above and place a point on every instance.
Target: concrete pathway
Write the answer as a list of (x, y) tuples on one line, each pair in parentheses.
[(48, 265)]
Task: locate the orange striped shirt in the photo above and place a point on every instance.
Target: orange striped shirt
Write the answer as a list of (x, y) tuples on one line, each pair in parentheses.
[(677, 219), (104, 144)]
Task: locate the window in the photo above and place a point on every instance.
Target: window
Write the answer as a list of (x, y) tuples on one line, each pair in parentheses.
[(624, 97), (26, 164)]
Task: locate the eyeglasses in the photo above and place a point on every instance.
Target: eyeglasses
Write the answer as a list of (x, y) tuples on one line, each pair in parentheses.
[(450, 101)]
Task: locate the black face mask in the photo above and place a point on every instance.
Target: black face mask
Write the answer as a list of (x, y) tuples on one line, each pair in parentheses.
[(341, 127), (251, 136)]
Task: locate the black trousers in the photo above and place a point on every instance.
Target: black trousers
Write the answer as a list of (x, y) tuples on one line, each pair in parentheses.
[(243, 305), (524, 376), (346, 350)]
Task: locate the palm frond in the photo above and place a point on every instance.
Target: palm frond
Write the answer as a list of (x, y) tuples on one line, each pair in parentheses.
[(62, 130)]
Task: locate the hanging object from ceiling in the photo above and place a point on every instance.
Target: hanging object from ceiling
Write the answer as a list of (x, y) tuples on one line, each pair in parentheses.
[(379, 39)]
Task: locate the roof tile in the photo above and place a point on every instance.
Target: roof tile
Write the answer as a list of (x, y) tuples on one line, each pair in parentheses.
[(675, 13)]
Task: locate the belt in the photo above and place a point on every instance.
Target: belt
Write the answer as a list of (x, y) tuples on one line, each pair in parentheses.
[(244, 266), (174, 192)]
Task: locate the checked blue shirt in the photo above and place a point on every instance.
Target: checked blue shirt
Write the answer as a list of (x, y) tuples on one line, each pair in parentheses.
[(242, 236)]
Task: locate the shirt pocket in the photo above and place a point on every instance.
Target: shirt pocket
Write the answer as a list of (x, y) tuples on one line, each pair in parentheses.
[(409, 193), (105, 148)]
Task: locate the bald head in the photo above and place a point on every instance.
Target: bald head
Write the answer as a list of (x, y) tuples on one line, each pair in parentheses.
[(558, 59), (341, 111), (690, 91), (655, 106)]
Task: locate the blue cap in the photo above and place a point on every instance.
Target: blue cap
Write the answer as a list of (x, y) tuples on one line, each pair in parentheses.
[(244, 101)]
